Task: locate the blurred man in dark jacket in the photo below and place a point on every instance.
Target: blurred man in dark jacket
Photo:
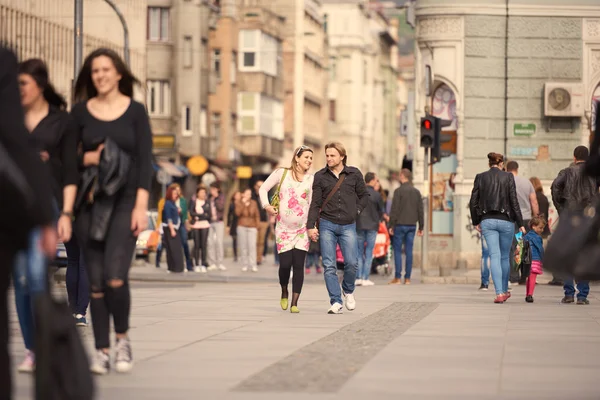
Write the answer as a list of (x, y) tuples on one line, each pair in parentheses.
[(13, 138)]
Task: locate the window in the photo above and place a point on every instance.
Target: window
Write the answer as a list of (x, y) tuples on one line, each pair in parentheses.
[(186, 121), (260, 115), (158, 98), (187, 52), (249, 45), (216, 125), (216, 62), (233, 68), (332, 68), (203, 122), (158, 24), (205, 54), (247, 110), (332, 110)]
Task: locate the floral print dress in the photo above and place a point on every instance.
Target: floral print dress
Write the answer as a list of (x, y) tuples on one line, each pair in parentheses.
[(294, 202)]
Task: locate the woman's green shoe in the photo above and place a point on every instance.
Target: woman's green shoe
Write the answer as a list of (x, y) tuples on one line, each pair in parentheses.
[(284, 304), (294, 310)]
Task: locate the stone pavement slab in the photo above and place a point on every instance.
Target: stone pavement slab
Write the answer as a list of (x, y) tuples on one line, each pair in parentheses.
[(233, 342)]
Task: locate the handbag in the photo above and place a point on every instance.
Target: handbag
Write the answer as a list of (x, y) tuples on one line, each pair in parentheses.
[(526, 259), (275, 199), (573, 250), (328, 198)]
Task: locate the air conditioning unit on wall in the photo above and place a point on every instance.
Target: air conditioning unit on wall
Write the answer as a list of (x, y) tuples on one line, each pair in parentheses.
[(564, 99)]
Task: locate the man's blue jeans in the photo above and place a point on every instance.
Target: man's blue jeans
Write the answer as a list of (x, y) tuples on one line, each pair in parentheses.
[(365, 254), (403, 235), (498, 235), (582, 286), (183, 234), (330, 235), (485, 262), (30, 271)]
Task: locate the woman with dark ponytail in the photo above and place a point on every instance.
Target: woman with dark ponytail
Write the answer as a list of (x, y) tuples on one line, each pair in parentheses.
[(53, 136)]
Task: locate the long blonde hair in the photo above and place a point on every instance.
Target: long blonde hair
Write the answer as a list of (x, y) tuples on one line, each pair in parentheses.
[(297, 153)]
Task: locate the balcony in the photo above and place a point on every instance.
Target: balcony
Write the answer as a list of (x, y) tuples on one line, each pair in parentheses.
[(258, 82), (260, 146)]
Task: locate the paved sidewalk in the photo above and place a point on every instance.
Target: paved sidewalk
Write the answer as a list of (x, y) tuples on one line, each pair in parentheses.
[(215, 341)]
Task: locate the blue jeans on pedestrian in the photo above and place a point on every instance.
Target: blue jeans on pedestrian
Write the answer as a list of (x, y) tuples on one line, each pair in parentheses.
[(183, 234), (582, 286), (331, 235), (498, 235), (403, 235), (312, 260), (78, 285), (29, 277), (365, 253), (485, 262)]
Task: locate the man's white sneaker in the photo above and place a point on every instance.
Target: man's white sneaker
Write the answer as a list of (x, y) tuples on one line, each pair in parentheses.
[(336, 308), (350, 302), (244, 269), (212, 267), (359, 282), (368, 282), (222, 267), (255, 269), (201, 269), (101, 363)]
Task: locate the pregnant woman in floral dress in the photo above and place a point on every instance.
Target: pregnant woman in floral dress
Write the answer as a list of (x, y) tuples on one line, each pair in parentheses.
[(290, 230)]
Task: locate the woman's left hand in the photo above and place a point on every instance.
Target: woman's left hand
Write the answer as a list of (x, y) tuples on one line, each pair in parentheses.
[(65, 228), (139, 221)]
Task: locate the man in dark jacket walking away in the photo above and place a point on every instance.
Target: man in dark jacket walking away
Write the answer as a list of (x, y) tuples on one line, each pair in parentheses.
[(32, 175), (573, 190), (406, 212), (367, 226)]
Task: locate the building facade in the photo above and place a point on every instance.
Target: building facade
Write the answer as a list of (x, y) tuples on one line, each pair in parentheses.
[(305, 77), (517, 79), (363, 84), (180, 78), (44, 29), (260, 97)]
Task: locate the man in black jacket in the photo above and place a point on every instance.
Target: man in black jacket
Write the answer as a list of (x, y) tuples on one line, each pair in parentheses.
[(336, 212), (574, 190), (13, 137), (367, 226)]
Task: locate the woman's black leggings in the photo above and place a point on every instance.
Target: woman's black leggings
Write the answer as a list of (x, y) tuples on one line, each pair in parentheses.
[(200, 237), (106, 261), (292, 259)]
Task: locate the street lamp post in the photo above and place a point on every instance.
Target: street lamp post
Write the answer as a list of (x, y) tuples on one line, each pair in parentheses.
[(125, 31)]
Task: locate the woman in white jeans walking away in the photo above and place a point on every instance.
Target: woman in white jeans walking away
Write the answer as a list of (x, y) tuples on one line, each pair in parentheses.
[(248, 215)]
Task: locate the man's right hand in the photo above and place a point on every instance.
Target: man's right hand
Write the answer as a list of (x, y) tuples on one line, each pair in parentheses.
[(391, 231), (313, 234), (48, 241)]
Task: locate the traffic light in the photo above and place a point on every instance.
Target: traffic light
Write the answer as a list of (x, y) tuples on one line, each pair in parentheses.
[(439, 137), (428, 131)]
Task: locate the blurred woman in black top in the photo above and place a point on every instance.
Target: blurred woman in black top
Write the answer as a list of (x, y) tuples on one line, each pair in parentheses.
[(107, 111)]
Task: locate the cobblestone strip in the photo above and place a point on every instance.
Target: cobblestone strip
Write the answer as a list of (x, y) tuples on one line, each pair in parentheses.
[(326, 365)]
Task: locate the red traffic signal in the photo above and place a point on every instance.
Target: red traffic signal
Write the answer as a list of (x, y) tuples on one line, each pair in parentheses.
[(426, 124)]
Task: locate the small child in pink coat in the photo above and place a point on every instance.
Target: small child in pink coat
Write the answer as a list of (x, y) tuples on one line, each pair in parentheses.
[(534, 237)]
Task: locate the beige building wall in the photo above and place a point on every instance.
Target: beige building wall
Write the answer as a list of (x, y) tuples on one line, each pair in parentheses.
[(44, 29)]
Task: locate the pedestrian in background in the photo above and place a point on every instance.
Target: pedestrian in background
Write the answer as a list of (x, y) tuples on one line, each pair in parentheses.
[(339, 196), (216, 234), (534, 237), (248, 215), (182, 207), (406, 220), (294, 191), (200, 212), (494, 211), (171, 226), (232, 222), (18, 217), (367, 226), (107, 112), (263, 226)]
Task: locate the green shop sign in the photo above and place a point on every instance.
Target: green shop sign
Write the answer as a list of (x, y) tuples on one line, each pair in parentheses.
[(524, 129)]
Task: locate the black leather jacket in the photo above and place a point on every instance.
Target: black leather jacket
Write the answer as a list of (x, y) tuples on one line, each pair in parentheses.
[(495, 191), (573, 189), (100, 185)]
